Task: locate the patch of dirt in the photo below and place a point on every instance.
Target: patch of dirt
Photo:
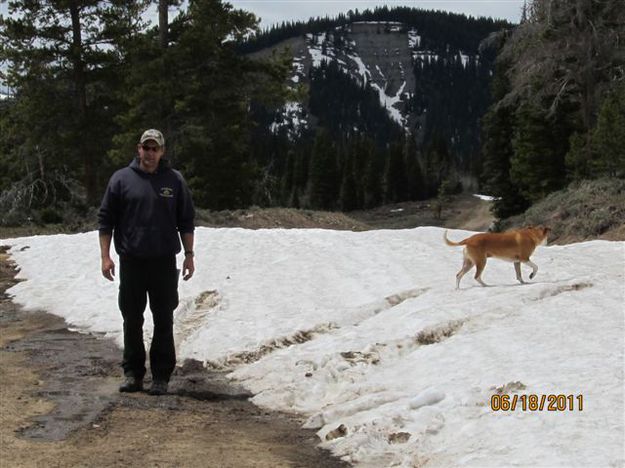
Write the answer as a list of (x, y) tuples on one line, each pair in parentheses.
[(462, 212), (470, 213), (248, 357), (510, 387), (60, 407), (565, 289), (438, 333), (272, 218)]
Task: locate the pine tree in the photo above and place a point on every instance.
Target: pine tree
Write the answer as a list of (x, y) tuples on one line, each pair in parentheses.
[(373, 192), (608, 139), (414, 177), (396, 183), (62, 65), (536, 167), (349, 193), (201, 91), (288, 179), (497, 151), (324, 176), (438, 164)]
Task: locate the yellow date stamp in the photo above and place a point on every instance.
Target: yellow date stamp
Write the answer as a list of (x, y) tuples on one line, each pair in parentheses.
[(533, 402)]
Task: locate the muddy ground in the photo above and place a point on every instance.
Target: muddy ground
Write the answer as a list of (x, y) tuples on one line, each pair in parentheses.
[(60, 407)]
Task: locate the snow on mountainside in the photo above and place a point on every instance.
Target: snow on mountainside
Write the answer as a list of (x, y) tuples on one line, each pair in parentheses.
[(379, 54)]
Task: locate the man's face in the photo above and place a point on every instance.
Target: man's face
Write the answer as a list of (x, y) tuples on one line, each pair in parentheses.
[(150, 153)]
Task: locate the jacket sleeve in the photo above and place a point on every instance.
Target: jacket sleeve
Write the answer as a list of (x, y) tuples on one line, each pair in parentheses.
[(108, 215), (185, 210)]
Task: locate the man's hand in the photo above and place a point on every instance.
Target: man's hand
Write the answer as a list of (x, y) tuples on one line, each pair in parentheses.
[(108, 268), (188, 267)]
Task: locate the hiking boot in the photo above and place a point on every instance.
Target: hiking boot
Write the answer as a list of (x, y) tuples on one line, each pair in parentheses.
[(159, 387), (131, 385)]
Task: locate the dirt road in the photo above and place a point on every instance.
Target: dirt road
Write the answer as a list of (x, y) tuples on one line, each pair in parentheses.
[(60, 407)]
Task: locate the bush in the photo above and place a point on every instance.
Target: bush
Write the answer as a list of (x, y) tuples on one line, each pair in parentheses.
[(584, 210), (50, 216)]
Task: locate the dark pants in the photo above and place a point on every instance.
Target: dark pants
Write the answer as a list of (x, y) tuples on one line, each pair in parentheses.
[(156, 278)]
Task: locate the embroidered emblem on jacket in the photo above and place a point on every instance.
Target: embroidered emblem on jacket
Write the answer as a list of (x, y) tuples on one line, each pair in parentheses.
[(167, 192)]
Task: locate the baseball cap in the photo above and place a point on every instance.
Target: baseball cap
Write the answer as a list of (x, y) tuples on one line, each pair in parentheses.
[(153, 134)]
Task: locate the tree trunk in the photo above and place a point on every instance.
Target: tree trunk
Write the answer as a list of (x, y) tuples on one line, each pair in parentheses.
[(162, 23), (80, 93)]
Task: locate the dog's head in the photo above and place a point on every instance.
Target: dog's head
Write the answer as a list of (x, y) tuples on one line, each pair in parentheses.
[(540, 234)]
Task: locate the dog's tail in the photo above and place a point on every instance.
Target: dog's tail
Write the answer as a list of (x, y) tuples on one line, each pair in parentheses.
[(450, 243)]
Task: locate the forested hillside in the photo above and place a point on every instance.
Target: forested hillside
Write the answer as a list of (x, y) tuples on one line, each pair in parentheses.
[(338, 113), (88, 78), (386, 108), (559, 102)]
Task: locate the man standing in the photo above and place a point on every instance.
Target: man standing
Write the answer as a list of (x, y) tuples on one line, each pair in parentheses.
[(147, 209)]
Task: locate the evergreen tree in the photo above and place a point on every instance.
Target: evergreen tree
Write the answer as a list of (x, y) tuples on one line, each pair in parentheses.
[(414, 176), (497, 151), (536, 167), (300, 174), (608, 139), (349, 191), (438, 164), (63, 57), (396, 187), (324, 180), (557, 85), (373, 192), (288, 179), (362, 151), (200, 93)]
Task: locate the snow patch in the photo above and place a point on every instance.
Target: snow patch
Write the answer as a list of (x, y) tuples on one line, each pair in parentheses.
[(426, 398), (365, 330)]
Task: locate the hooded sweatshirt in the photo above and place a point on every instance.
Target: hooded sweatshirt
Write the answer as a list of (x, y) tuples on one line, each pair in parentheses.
[(145, 212)]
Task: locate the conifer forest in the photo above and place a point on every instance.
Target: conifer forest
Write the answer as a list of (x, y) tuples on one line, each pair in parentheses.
[(515, 111)]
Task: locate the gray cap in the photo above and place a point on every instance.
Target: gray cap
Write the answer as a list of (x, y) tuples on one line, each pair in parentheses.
[(153, 134)]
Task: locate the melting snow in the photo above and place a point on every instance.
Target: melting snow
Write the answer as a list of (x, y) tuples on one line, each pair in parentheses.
[(364, 334)]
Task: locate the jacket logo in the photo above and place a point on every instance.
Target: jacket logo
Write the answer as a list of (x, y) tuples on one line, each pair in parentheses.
[(167, 192)]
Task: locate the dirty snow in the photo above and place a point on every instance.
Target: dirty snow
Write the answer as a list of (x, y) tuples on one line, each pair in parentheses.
[(364, 335)]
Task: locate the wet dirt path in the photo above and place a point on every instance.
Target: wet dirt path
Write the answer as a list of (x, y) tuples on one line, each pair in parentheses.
[(60, 407)]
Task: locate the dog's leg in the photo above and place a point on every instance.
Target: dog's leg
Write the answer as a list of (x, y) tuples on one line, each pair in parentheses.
[(534, 268), (517, 269), (479, 268), (466, 266)]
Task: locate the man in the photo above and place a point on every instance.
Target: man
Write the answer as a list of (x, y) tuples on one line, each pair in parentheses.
[(147, 209)]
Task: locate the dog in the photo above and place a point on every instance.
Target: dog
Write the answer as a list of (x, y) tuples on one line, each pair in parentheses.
[(514, 246)]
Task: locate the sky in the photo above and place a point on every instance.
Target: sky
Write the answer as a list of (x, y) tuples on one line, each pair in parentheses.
[(365, 331), (276, 11), (273, 12)]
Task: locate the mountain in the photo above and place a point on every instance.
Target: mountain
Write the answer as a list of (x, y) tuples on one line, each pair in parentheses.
[(387, 82)]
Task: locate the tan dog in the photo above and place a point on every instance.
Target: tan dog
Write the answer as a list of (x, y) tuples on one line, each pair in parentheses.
[(514, 246)]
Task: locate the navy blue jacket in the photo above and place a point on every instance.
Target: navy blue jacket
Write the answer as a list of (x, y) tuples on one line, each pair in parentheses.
[(145, 212)]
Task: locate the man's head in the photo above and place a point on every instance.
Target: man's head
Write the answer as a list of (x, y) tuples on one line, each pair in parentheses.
[(151, 149)]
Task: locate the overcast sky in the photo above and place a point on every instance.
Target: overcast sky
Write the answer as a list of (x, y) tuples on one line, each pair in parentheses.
[(276, 11)]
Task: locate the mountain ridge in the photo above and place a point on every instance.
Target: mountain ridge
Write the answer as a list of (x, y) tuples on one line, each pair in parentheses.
[(379, 54)]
